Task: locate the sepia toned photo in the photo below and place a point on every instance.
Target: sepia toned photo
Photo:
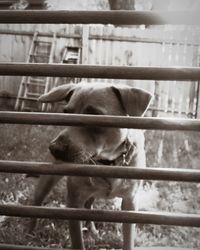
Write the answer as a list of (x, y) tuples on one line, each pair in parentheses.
[(99, 124)]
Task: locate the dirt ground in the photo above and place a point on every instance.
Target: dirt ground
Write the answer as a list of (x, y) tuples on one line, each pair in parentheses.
[(164, 149)]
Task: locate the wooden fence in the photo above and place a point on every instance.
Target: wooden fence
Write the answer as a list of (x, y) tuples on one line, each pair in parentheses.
[(122, 46)]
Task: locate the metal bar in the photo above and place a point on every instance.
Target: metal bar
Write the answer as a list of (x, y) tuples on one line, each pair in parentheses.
[(175, 219), (99, 120), (20, 247), (72, 169), (107, 72), (117, 17)]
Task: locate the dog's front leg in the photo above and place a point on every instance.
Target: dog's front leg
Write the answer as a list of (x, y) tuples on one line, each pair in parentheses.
[(42, 189), (76, 234), (75, 227), (129, 230)]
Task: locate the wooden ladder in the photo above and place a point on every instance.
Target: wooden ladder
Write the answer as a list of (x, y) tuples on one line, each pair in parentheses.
[(69, 55), (31, 87)]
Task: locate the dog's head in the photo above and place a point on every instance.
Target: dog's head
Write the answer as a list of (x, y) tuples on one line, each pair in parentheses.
[(79, 144)]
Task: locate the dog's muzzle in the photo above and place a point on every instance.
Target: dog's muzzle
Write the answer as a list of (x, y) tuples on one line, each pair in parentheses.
[(59, 151)]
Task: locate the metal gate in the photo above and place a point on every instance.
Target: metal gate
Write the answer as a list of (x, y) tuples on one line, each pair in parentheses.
[(111, 72)]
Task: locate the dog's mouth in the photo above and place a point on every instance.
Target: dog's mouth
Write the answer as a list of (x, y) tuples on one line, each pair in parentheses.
[(79, 157), (72, 154)]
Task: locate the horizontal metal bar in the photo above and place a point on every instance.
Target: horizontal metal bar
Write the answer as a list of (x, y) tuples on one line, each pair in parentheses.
[(99, 120), (161, 218), (116, 17), (71, 169), (107, 72), (20, 247)]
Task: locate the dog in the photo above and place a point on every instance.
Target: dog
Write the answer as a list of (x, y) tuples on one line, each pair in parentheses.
[(97, 145)]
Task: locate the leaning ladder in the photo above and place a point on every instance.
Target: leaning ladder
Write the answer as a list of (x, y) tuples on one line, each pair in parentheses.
[(70, 55), (41, 51)]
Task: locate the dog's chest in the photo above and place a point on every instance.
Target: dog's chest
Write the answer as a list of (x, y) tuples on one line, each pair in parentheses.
[(113, 187), (110, 188)]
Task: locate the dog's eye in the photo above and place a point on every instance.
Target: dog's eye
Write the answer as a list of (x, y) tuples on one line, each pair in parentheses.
[(90, 110), (69, 95)]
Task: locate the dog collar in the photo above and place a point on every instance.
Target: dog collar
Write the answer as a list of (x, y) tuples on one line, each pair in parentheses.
[(124, 159)]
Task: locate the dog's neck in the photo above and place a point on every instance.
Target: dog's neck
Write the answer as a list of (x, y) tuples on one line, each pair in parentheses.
[(128, 151)]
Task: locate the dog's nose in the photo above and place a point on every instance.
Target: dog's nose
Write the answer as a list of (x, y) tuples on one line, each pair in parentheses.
[(52, 147), (57, 150)]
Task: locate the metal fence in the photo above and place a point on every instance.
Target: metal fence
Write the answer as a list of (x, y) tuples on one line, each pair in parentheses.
[(148, 73)]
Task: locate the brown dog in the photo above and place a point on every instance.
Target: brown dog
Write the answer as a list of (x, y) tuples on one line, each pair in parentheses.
[(98, 145)]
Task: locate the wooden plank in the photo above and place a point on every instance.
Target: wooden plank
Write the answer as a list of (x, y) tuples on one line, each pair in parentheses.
[(98, 49), (85, 35), (6, 56), (107, 31), (92, 50), (117, 51), (142, 37), (198, 102), (103, 50), (172, 91)]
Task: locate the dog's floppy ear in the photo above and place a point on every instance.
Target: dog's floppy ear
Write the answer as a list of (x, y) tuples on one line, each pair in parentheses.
[(134, 101), (58, 93)]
